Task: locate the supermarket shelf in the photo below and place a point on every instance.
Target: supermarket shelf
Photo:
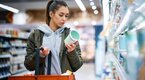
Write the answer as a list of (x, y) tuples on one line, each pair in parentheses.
[(11, 37), (13, 47), (4, 76), (18, 46), (130, 16), (141, 25), (18, 62), (24, 73), (5, 47), (127, 18), (21, 27), (123, 24), (18, 71), (15, 54), (4, 65), (121, 72), (5, 56)]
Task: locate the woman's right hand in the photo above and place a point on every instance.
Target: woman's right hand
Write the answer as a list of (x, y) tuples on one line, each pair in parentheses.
[(44, 51)]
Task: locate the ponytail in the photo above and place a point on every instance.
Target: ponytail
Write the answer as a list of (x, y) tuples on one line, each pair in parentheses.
[(47, 12)]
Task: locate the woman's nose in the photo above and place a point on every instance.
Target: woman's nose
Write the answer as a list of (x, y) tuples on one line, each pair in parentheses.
[(64, 18)]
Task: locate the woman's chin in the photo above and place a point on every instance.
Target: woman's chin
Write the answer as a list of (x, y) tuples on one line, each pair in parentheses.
[(61, 25)]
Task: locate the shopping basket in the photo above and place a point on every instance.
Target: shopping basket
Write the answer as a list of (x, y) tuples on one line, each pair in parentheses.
[(41, 77)]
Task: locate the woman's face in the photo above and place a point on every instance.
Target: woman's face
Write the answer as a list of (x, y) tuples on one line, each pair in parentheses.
[(60, 16)]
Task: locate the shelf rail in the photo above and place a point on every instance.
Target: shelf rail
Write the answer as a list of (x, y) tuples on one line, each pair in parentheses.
[(121, 72)]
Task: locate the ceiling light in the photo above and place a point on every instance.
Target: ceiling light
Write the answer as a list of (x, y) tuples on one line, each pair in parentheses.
[(91, 0), (96, 12), (92, 3), (94, 7), (9, 8), (81, 5)]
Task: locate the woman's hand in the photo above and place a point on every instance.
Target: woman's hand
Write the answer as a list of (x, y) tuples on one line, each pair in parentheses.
[(44, 51), (71, 47)]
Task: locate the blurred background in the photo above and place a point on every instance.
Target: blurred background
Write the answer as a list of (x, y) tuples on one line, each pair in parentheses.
[(112, 36)]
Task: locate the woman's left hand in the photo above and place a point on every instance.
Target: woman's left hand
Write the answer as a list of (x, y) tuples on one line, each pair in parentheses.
[(71, 47)]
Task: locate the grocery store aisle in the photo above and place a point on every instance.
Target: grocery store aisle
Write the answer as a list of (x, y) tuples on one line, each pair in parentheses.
[(86, 72)]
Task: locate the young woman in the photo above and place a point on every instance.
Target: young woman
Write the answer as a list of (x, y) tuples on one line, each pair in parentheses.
[(51, 37)]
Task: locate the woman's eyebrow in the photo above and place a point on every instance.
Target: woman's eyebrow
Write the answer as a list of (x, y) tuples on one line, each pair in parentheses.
[(64, 13)]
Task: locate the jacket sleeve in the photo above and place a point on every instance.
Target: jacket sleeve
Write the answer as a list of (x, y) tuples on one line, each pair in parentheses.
[(75, 59), (30, 56)]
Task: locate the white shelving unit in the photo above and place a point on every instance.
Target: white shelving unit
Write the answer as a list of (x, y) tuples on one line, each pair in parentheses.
[(13, 40), (121, 72), (123, 30)]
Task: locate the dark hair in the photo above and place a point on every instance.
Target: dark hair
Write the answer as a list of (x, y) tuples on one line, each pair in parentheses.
[(53, 5)]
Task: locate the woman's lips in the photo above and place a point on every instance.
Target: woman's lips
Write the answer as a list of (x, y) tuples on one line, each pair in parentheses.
[(62, 23)]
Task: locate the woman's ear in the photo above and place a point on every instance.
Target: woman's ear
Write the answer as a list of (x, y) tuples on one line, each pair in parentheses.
[(50, 13)]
